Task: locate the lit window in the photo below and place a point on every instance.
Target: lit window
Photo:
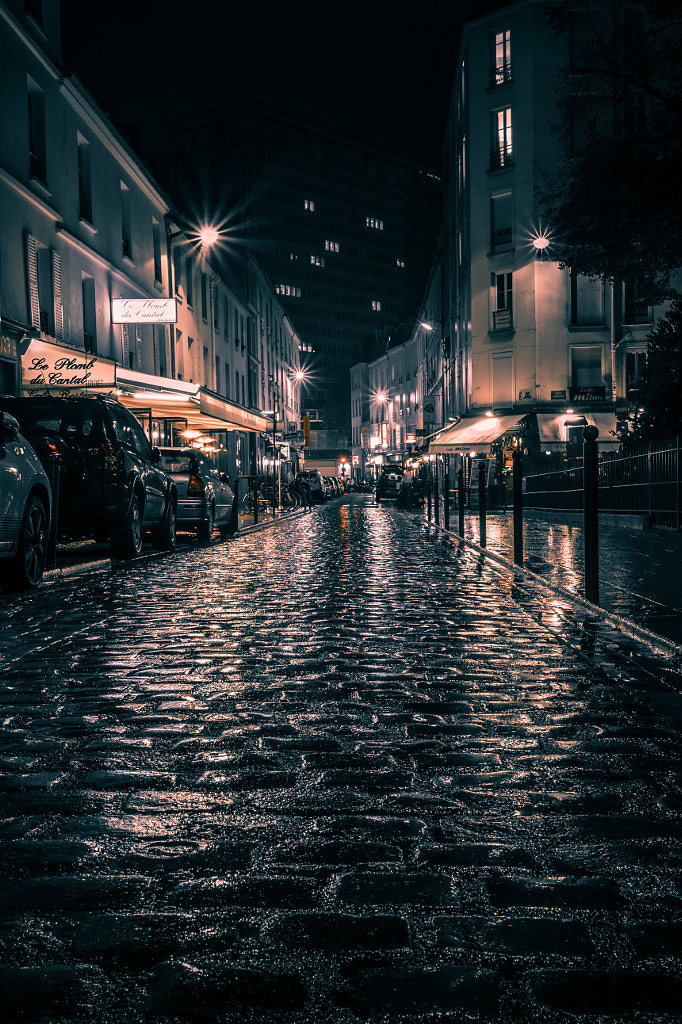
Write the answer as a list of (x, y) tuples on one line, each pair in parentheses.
[(317, 261), (400, 263), (309, 204), (374, 222), (501, 71), (331, 246), (502, 301), (376, 305), (501, 155)]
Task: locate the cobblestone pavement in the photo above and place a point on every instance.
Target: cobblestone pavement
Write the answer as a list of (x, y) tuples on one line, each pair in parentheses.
[(341, 770)]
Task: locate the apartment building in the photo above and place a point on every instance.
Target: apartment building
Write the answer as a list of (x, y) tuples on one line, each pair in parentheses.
[(536, 350)]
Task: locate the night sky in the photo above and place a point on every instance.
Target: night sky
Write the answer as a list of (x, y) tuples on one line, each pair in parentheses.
[(380, 76)]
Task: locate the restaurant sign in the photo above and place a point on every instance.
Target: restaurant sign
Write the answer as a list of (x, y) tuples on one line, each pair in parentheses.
[(48, 369), (144, 311)]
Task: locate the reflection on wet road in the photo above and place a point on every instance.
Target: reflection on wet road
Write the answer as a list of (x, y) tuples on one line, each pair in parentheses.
[(341, 770)]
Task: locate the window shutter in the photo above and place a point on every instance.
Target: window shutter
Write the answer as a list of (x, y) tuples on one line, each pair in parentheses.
[(138, 347), (32, 281), (57, 293), (157, 347), (125, 345), (502, 381)]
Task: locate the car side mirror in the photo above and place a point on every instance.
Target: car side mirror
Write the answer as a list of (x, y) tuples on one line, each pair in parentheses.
[(9, 425)]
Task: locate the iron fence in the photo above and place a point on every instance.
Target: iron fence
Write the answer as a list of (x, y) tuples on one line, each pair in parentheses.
[(643, 481)]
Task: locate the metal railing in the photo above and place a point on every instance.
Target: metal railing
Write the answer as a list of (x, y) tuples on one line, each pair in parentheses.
[(644, 481)]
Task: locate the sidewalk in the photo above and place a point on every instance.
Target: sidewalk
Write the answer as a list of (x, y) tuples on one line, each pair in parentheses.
[(639, 569)]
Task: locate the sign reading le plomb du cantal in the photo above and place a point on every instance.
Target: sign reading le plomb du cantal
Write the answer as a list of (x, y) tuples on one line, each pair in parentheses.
[(144, 311)]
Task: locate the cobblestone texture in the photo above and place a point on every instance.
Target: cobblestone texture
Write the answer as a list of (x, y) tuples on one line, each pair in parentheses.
[(340, 770)]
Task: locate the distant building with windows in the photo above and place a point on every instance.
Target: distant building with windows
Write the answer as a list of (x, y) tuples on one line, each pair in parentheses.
[(345, 230), (535, 348)]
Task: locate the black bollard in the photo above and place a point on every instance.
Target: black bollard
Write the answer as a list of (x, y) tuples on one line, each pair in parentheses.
[(460, 499), (234, 515), (429, 483), (591, 513), (446, 494), (54, 476), (254, 484), (517, 477), (435, 498), (481, 504)]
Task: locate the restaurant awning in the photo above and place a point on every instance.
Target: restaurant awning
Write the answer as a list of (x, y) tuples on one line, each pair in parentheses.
[(473, 435), (553, 427), (165, 398)]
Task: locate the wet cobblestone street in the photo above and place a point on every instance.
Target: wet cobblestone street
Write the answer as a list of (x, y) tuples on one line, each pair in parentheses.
[(344, 769)]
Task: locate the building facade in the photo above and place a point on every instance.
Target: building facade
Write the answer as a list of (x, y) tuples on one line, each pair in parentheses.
[(529, 341), (97, 269)]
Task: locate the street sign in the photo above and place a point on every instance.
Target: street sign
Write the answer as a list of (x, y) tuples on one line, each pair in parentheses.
[(622, 409)]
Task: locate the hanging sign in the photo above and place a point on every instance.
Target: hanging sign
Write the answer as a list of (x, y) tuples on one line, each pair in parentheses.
[(48, 369), (144, 311)]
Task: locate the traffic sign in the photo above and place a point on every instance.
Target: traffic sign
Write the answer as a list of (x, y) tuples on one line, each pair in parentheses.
[(622, 409)]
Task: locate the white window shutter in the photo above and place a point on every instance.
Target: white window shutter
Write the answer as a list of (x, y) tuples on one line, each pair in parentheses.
[(138, 347), (57, 293), (32, 281), (125, 345)]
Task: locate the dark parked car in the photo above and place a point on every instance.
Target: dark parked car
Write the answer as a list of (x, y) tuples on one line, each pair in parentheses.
[(112, 484), (205, 497), (25, 504), (390, 482)]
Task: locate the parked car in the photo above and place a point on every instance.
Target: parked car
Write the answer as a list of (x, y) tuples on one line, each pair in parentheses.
[(25, 509), (329, 491), (205, 497), (112, 484), (389, 484), (313, 477)]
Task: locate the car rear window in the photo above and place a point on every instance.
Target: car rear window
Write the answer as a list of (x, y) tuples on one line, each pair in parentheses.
[(66, 418), (179, 463)]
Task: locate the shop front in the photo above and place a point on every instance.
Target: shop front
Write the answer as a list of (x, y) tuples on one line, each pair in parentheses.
[(173, 413)]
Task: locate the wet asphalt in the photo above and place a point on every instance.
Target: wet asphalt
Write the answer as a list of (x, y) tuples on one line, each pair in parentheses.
[(342, 769)]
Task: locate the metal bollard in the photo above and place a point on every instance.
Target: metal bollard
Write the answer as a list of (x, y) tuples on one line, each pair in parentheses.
[(428, 495), (254, 484), (446, 494), (591, 512), (234, 515), (435, 499), (55, 473), (481, 505), (460, 499), (517, 477)]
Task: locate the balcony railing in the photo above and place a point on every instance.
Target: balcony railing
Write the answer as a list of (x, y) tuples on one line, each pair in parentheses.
[(501, 157), (501, 75)]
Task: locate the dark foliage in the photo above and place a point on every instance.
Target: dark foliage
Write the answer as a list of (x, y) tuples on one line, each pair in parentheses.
[(660, 391), (613, 201)]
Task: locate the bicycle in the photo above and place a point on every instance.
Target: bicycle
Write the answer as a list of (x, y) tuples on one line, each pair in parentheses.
[(262, 502)]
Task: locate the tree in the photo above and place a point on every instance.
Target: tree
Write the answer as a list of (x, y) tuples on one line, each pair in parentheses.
[(613, 200), (660, 386)]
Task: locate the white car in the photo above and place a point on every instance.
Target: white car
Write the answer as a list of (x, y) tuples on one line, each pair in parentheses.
[(25, 510)]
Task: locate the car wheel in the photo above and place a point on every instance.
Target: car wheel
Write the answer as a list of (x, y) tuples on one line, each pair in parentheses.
[(29, 563), (126, 542), (205, 529), (164, 536)]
